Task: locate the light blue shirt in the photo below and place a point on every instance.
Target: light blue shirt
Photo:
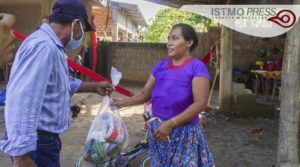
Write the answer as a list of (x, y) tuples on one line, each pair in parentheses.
[(38, 93)]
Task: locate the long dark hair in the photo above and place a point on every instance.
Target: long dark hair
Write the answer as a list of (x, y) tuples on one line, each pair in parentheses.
[(188, 33)]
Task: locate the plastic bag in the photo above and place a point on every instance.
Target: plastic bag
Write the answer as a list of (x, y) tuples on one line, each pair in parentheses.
[(108, 135), (115, 76)]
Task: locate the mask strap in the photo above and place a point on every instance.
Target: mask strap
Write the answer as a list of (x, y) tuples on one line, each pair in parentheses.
[(72, 31), (82, 32), (81, 28)]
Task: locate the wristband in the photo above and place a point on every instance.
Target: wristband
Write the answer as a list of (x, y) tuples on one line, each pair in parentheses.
[(175, 122)]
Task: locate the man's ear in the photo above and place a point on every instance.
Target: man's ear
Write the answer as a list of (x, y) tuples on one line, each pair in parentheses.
[(75, 22)]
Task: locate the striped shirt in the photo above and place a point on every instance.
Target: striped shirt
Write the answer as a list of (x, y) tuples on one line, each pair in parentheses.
[(38, 92)]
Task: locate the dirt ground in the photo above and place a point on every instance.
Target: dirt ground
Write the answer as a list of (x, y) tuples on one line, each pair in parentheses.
[(228, 138)]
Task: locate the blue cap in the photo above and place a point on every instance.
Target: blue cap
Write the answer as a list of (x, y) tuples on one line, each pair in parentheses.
[(74, 8)]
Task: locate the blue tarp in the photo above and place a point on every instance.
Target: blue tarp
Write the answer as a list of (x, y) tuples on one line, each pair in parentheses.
[(2, 98)]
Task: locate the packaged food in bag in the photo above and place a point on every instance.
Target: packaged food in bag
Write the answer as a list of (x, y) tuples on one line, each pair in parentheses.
[(114, 128), (108, 135)]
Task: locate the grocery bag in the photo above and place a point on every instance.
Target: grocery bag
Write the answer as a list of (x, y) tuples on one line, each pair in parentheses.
[(108, 134)]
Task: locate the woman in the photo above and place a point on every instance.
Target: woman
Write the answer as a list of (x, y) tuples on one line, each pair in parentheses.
[(179, 88)]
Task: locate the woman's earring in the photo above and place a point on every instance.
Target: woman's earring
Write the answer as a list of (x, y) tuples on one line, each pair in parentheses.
[(188, 51)]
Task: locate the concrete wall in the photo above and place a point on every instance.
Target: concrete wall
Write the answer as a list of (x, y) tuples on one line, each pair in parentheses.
[(135, 60), (245, 47), (27, 18)]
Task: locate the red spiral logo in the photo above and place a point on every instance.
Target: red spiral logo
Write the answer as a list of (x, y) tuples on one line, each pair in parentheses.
[(284, 18)]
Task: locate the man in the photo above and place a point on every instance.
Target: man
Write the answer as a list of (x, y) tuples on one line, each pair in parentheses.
[(39, 90), (6, 38)]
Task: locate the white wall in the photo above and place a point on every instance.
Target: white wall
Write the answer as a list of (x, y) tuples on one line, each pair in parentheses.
[(131, 27)]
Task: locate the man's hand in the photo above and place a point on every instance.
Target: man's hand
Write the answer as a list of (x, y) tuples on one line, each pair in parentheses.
[(23, 161), (7, 46), (103, 88)]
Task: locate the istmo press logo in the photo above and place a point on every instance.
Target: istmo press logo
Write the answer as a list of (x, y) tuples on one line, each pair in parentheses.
[(255, 20)]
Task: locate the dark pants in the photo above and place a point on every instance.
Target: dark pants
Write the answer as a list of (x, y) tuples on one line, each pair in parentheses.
[(48, 149)]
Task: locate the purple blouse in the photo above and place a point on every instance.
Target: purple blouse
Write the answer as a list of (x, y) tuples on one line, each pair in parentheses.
[(172, 93)]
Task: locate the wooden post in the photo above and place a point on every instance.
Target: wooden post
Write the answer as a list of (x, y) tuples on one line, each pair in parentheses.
[(114, 23), (126, 30), (225, 92), (290, 100)]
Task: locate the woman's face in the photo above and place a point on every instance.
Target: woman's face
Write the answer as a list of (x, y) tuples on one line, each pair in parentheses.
[(177, 46)]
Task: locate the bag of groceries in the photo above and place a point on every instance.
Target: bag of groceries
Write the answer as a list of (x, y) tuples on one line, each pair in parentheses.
[(108, 135)]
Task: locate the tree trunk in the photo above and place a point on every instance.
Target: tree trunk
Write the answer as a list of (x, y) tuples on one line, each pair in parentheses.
[(225, 93), (287, 154)]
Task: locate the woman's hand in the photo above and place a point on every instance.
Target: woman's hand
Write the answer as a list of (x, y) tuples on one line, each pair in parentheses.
[(119, 103), (163, 131)]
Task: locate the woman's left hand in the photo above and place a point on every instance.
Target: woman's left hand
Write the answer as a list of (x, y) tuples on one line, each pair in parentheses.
[(163, 131)]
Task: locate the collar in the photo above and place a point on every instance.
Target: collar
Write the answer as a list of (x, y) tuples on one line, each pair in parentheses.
[(173, 67), (49, 31)]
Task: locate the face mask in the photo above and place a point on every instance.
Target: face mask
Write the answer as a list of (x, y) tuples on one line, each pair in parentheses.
[(73, 44)]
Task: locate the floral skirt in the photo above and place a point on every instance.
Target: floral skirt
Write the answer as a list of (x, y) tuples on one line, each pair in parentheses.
[(187, 147)]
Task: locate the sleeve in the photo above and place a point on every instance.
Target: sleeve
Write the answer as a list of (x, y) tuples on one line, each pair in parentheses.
[(74, 85), (200, 70), (156, 68), (25, 93)]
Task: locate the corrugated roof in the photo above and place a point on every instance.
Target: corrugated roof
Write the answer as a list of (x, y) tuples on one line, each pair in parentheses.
[(179, 3), (133, 11), (101, 2)]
